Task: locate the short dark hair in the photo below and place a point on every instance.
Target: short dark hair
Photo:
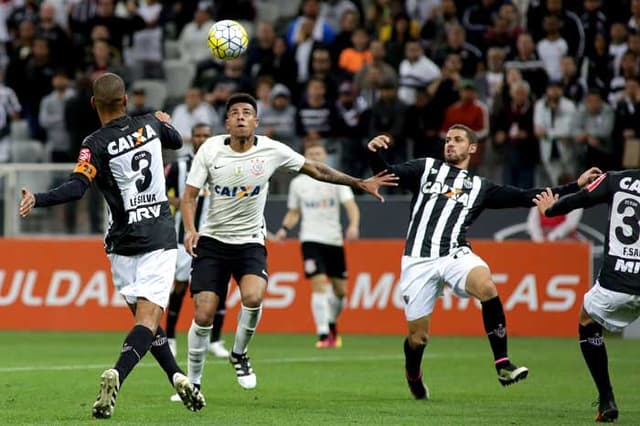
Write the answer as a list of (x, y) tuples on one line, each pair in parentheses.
[(199, 125), (108, 92), (238, 98), (471, 135)]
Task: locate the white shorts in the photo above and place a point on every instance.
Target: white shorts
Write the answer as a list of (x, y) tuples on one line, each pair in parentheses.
[(611, 309), (422, 279), (148, 275), (183, 264)]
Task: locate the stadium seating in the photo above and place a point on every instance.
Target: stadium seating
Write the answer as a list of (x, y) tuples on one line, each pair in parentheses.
[(27, 151), (179, 75), (19, 130)]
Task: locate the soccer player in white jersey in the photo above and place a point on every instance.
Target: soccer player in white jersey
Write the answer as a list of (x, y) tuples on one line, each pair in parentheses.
[(176, 179), (124, 159), (447, 198), (237, 168), (613, 302), (318, 203)]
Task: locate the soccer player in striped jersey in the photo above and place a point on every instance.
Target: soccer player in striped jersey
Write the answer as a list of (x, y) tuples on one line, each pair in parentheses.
[(446, 200), (613, 302), (318, 203), (176, 180), (237, 167)]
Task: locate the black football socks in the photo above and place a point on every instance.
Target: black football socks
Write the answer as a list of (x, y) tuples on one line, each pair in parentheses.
[(135, 346), (495, 327), (594, 352)]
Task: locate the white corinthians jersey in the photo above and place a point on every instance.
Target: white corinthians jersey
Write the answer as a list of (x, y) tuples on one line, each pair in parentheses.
[(239, 183), (319, 204)]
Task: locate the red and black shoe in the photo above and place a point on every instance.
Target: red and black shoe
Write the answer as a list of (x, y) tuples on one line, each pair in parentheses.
[(607, 410)]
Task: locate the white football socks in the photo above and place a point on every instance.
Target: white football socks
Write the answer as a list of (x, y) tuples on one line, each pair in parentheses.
[(248, 319), (320, 311), (198, 340)]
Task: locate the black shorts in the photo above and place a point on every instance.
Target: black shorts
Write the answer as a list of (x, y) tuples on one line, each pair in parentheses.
[(218, 261), (324, 259)]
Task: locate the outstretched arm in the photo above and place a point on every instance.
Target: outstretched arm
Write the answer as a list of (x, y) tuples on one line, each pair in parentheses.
[(597, 192), (321, 171), (290, 220), (71, 190)]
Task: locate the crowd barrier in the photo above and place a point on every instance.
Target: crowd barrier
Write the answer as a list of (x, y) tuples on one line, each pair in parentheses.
[(65, 284)]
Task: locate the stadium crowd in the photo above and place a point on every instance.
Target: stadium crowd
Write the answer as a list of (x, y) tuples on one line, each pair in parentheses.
[(550, 86)]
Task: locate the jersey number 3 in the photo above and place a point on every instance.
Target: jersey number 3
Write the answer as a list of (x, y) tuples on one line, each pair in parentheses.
[(142, 162), (630, 220)]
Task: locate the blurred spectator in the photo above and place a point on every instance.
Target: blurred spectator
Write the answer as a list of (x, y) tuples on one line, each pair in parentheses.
[(232, 79), (264, 85), (348, 23), (634, 20), (52, 119), (552, 48), (592, 127), (479, 18), (552, 118), (59, 42), (20, 47), (191, 43), (594, 22), (352, 59), (513, 130), (105, 60), (421, 10), (194, 110), (260, 50), (558, 228), (500, 34), (627, 119), (31, 80), (138, 105), (368, 79), (146, 53), (351, 110), (444, 90), (238, 10), (278, 120), (470, 112), (310, 24), (416, 70), (617, 46), (434, 30), (334, 10), (397, 36), (628, 69), (527, 61), (9, 110), (569, 27), (573, 88), (422, 126), (118, 27), (456, 43), (388, 115), (321, 68), (379, 14), (23, 11), (490, 82), (316, 118), (281, 65), (303, 43), (598, 68)]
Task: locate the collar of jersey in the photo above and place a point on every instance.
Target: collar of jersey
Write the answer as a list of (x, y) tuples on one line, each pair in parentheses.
[(227, 140)]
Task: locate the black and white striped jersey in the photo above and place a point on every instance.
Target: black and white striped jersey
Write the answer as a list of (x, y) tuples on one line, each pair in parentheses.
[(446, 200), (124, 158), (177, 173), (621, 191)]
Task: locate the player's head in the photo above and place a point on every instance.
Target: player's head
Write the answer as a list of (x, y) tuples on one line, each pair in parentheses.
[(459, 143), (109, 96), (200, 132), (241, 115), (315, 151)]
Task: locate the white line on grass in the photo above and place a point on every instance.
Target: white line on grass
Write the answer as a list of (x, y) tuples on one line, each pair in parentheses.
[(313, 359)]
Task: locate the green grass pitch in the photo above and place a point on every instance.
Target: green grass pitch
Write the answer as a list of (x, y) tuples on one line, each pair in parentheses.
[(52, 378)]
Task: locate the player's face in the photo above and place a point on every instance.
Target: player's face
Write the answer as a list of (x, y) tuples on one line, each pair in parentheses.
[(316, 153), (457, 147), (241, 120), (198, 136)]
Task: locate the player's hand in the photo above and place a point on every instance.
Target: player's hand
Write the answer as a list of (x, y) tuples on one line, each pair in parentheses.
[(545, 199), (589, 176), (281, 235), (190, 242), (27, 203), (352, 233), (163, 116), (379, 142), (372, 185)]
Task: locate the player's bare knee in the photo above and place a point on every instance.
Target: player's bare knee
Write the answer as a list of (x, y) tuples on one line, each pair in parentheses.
[(203, 318), (418, 338), (252, 300)]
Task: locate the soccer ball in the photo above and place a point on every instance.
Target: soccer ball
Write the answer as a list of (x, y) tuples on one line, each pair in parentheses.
[(227, 39)]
